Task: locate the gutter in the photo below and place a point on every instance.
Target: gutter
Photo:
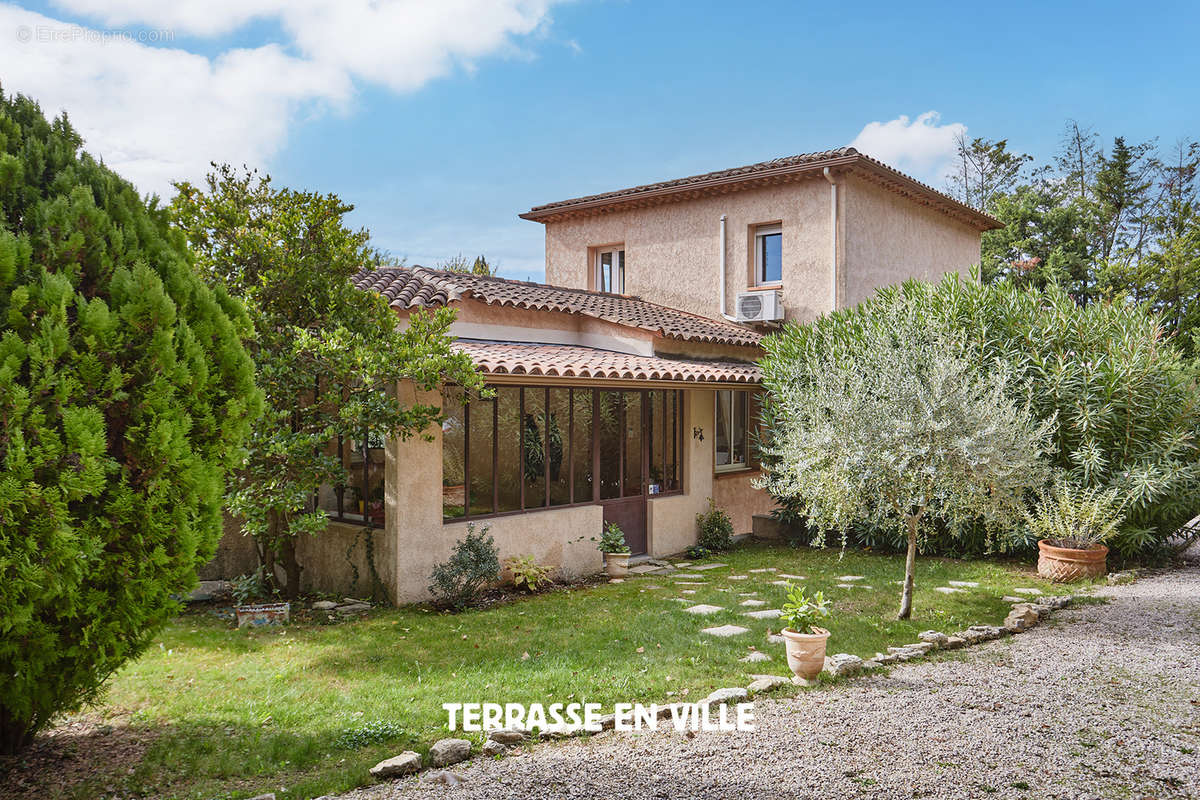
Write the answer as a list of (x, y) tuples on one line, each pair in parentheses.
[(833, 240), (723, 248)]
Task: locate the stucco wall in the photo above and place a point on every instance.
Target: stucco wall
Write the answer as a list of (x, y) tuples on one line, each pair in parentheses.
[(672, 520), (672, 252), (890, 239), (741, 501)]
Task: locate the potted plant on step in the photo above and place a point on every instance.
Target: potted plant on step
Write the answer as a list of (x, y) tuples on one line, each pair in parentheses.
[(803, 640), (1072, 523), (616, 552), (248, 593)]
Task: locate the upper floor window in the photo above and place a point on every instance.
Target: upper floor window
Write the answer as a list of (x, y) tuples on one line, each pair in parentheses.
[(768, 254), (610, 270)]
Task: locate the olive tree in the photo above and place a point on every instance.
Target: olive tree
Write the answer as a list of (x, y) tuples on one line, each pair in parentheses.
[(883, 418)]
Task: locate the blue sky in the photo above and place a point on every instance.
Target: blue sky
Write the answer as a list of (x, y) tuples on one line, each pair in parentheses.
[(441, 126)]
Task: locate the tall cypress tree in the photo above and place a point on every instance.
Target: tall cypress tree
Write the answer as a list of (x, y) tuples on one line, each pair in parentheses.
[(125, 394)]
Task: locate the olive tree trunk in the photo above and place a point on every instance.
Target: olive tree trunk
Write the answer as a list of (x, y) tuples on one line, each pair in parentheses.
[(910, 563)]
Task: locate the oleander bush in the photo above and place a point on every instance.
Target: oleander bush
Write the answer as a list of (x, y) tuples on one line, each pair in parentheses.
[(125, 394), (1122, 398)]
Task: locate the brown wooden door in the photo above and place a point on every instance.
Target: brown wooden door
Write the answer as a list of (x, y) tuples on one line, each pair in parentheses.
[(621, 463)]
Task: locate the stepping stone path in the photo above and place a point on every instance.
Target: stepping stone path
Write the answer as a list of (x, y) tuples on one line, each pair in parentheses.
[(781, 583), (690, 583), (1008, 598), (765, 683), (688, 575), (738, 577), (947, 589), (703, 609), (1027, 591), (681, 600), (770, 613), (851, 577), (755, 657), (967, 584), (687, 591), (642, 569), (850, 585), (747, 594), (651, 586), (754, 603), (726, 630), (792, 577), (682, 564), (763, 569), (774, 638), (717, 565)]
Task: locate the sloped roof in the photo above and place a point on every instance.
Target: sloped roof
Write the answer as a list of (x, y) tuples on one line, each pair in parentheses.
[(763, 173), (418, 287), (572, 361)]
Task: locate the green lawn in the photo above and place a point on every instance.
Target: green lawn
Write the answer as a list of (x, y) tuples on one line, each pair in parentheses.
[(294, 710)]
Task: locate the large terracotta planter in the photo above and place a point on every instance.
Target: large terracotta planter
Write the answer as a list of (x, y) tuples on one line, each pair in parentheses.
[(1066, 564), (805, 651), (616, 565)]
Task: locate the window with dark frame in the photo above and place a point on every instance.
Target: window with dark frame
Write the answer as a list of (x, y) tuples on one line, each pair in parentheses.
[(536, 447), (361, 500)]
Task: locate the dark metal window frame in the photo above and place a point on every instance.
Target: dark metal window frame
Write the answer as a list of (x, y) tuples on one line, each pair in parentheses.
[(339, 514), (676, 396)]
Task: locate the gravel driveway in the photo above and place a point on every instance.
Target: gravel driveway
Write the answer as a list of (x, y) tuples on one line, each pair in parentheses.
[(1101, 701)]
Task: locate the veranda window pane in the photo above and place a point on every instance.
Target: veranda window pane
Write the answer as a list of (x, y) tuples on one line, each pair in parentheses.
[(654, 443), (581, 452), (558, 446), (534, 431), (610, 438), (508, 434), (453, 449), (671, 456), (481, 434), (633, 444), (738, 432), (721, 434)]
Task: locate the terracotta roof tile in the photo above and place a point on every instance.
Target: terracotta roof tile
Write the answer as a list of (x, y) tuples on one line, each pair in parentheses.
[(418, 287), (570, 361)]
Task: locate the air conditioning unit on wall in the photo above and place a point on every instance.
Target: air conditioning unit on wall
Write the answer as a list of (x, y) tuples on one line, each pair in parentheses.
[(760, 306)]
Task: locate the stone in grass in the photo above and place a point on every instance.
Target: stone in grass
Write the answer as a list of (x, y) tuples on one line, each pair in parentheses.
[(687, 575), (842, 664), (947, 589), (682, 564), (493, 748), (267, 796), (766, 683), (935, 637), (763, 569), (725, 630), (731, 695), (1028, 591), (755, 657), (738, 577), (885, 658), (445, 752), (752, 603), (1021, 618), (781, 583), (1008, 598), (616, 580), (965, 584), (687, 591), (406, 763), (691, 583), (643, 569), (353, 608), (703, 609), (324, 605), (775, 638), (507, 736), (714, 565), (851, 577), (767, 613), (850, 585), (747, 594), (792, 577)]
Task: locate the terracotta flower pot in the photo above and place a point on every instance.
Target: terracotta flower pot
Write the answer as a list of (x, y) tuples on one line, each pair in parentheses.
[(805, 651), (616, 565), (1066, 564)]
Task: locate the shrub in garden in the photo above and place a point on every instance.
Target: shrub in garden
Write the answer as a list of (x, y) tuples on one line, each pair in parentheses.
[(612, 540), (475, 563), (714, 529), (886, 421), (1075, 517), (125, 394), (527, 574)]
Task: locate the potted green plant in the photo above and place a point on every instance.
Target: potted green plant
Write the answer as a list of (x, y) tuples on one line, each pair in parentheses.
[(249, 593), (1072, 523), (803, 641), (616, 552)]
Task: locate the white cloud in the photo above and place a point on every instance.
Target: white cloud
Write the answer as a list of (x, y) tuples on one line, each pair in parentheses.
[(161, 113), (923, 147)]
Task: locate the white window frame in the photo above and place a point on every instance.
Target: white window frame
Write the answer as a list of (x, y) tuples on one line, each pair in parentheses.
[(618, 253), (733, 466), (759, 232)]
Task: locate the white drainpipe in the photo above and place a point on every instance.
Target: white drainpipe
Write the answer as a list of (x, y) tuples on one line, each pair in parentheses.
[(833, 239), (723, 314)]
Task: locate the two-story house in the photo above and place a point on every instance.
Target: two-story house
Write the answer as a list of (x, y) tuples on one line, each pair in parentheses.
[(625, 385)]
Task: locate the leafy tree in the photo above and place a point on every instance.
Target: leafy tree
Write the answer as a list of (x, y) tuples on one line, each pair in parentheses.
[(328, 356), (125, 393), (881, 416), (460, 263)]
